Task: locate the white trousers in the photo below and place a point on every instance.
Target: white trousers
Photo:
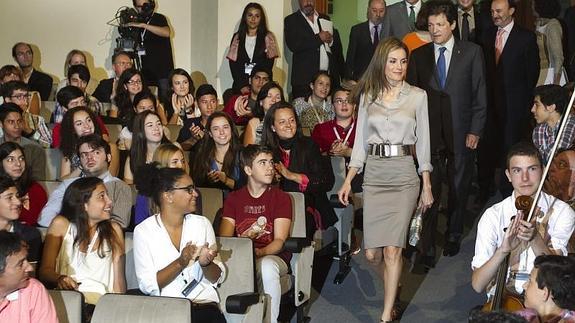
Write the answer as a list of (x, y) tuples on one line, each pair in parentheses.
[(269, 269)]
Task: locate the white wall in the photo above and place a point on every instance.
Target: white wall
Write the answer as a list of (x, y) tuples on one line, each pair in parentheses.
[(202, 30)]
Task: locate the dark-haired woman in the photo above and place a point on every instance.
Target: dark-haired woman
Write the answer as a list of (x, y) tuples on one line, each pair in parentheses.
[(147, 136), (253, 44), (299, 164), (84, 249), (317, 107), (215, 163), (270, 93), (175, 247), (179, 104), (32, 194)]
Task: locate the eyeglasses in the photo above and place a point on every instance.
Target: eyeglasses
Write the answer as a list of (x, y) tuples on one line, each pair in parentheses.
[(134, 82), (190, 188), (21, 96), (341, 101)]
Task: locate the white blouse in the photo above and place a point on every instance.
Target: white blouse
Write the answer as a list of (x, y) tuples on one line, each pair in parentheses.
[(154, 251)]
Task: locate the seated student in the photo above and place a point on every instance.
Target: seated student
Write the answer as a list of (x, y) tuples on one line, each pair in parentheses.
[(78, 122), (269, 94), (175, 248), (106, 90), (550, 290), (335, 137), (179, 103), (215, 160), (148, 135), (76, 57), (263, 213), (95, 157), (79, 76), (130, 83), (166, 155), (299, 165), (239, 107), (70, 97), (34, 126), (36, 80), (10, 206), (84, 249), (12, 73), (549, 104), (32, 194), (194, 128), (11, 123), (502, 231), (22, 298), (317, 107)]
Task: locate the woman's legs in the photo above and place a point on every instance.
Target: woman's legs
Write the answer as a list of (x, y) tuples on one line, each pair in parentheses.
[(388, 262)]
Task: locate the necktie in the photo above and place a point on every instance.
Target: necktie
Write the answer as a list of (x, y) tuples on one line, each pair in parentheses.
[(465, 27), (375, 36), (412, 15), (441, 68), (499, 44)]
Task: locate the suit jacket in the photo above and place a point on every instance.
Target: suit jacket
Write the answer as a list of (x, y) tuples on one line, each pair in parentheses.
[(511, 82), (305, 46), (475, 34), (396, 20), (360, 49), (104, 90), (459, 108), (42, 83)]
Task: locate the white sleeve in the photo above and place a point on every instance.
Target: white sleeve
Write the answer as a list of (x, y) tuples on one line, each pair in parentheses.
[(359, 151), (486, 240), (144, 261), (561, 229)]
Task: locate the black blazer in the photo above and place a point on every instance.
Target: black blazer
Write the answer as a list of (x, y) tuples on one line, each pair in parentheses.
[(42, 83), (260, 58), (360, 49), (460, 108), (305, 158), (305, 46), (104, 90), (512, 81)]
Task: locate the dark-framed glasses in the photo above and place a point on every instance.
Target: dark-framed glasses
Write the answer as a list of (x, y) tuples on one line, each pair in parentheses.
[(190, 188)]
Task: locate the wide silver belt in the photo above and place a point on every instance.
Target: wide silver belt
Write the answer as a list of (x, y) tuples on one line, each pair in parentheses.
[(389, 150)]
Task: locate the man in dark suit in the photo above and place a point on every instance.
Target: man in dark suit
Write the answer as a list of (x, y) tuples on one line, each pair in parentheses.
[(363, 39), (313, 48), (37, 81), (400, 17), (106, 89), (512, 64), (452, 72), (469, 21)]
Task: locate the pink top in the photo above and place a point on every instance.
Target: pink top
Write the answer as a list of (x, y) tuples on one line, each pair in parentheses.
[(28, 305)]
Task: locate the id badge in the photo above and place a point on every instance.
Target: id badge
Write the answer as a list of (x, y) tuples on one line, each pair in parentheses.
[(248, 67), (141, 52)]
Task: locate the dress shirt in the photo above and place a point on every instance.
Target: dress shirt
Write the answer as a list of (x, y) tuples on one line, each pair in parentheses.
[(372, 30), (507, 29), (470, 19), (544, 136), (416, 8), (323, 58), (154, 251), (447, 54), (490, 230), (30, 304)]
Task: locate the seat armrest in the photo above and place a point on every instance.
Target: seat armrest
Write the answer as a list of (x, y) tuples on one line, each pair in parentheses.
[(296, 245), (239, 303)]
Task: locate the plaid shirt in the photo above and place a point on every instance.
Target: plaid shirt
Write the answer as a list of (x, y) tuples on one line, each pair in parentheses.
[(544, 137)]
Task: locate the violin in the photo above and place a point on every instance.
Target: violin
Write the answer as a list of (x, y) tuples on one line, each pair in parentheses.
[(505, 299)]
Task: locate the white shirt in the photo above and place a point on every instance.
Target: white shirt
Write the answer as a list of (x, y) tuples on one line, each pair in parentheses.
[(416, 8), (372, 30), (323, 58), (470, 19), (490, 230), (154, 251), (506, 33), (250, 45), (448, 52)]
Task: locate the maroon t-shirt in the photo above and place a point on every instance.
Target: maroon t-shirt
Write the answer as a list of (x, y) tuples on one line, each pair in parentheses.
[(255, 217)]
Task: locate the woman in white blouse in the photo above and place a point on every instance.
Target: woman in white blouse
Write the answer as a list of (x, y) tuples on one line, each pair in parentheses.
[(175, 251)]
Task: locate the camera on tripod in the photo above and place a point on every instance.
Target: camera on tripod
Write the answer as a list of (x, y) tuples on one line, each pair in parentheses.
[(129, 39)]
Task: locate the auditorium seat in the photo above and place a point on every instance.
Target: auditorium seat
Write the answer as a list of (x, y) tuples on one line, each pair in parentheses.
[(212, 201), (46, 109), (130, 270), (114, 131), (119, 308), (68, 304), (173, 132), (53, 160)]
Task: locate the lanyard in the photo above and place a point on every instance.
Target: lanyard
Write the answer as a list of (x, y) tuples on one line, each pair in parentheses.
[(346, 136)]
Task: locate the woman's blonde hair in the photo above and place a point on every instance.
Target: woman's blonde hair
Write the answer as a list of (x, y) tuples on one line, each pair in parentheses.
[(373, 80), (165, 152)]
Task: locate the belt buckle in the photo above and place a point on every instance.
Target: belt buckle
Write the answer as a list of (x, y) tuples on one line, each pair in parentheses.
[(386, 151)]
